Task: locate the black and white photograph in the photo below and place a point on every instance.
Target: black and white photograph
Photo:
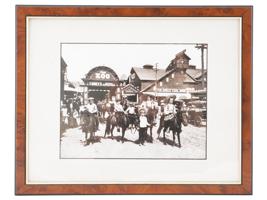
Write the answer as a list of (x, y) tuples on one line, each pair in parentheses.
[(133, 100)]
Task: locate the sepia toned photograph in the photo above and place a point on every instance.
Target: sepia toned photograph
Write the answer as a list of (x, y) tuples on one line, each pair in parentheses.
[(95, 101), (133, 101)]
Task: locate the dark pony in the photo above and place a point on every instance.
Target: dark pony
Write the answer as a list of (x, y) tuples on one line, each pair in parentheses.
[(88, 124), (151, 115), (133, 120), (174, 125), (119, 120)]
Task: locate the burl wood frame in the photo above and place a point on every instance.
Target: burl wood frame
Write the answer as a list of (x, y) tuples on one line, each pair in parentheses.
[(245, 12)]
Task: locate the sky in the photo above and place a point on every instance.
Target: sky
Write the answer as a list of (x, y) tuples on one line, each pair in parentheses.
[(81, 58)]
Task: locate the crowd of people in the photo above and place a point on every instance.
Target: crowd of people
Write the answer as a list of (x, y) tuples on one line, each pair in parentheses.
[(140, 116)]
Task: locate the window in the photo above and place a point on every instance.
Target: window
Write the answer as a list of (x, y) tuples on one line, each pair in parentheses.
[(167, 79), (173, 75), (160, 83)]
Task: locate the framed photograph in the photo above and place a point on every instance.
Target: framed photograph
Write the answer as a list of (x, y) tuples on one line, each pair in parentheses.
[(133, 100)]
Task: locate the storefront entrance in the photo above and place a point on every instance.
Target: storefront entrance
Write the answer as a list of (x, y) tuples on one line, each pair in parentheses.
[(130, 93), (101, 83)]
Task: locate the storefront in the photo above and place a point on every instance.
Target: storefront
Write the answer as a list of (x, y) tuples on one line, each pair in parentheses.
[(130, 93), (101, 83)]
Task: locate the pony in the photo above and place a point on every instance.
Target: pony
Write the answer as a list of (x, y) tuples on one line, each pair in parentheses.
[(89, 125), (119, 120), (173, 123), (151, 116)]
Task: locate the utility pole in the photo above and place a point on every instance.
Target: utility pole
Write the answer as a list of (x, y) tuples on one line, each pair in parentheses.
[(202, 47), (156, 83)]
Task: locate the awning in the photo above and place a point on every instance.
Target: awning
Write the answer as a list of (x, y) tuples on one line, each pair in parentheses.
[(69, 89), (180, 95)]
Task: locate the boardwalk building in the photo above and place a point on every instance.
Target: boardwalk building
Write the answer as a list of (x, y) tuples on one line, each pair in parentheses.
[(180, 79)]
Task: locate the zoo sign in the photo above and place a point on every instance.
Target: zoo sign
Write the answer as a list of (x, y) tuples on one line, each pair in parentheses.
[(102, 75)]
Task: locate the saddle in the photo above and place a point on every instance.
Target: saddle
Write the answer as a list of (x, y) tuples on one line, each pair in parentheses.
[(168, 117)]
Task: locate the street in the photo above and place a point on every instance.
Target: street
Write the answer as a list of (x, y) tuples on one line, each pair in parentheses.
[(193, 141)]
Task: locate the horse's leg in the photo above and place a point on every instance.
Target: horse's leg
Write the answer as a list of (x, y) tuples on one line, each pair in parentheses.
[(85, 141), (130, 126), (166, 126), (108, 126), (179, 141), (111, 131), (159, 130), (122, 134), (164, 138), (151, 128), (90, 137), (173, 137), (105, 132)]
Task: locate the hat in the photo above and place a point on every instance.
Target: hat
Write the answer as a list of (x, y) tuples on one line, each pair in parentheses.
[(142, 110), (85, 108)]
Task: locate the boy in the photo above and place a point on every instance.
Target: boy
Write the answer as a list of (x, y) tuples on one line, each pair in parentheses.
[(143, 124)]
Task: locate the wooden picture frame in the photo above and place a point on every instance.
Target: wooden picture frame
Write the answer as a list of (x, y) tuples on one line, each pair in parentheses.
[(245, 12)]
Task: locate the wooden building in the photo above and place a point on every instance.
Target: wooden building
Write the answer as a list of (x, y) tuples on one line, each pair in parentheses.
[(180, 79), (130, 93), (141, 77)]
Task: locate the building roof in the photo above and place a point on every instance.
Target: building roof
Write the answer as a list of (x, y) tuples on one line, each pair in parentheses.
[(76, 83), (177, 56), (195, 73), (148, 74), (160, 77), (188, 78), (182, 54), (130, 87)]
